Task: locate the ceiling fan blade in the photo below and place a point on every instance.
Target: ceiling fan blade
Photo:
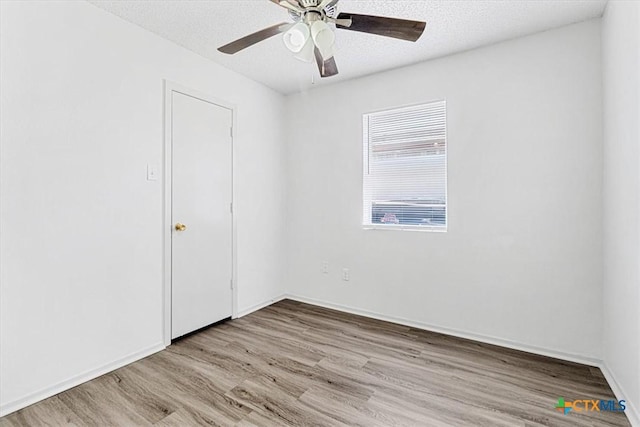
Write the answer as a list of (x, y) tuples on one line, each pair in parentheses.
[(246, 41), (327, 68), (390, 27)]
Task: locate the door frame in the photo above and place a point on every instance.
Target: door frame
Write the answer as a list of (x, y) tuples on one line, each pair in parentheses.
[(169, 88)]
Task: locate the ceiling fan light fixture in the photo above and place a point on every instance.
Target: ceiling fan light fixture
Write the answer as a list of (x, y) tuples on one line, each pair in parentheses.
[(324, 38), (297, 37)]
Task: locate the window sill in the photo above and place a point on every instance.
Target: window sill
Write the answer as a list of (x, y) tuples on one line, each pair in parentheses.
[(405, 228)]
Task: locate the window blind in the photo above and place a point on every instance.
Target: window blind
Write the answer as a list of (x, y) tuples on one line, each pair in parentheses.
[(405, 167)]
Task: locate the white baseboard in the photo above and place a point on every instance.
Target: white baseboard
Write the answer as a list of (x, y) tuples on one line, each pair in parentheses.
[(585, 360), (259, 306), (32, 398), (633, 411)]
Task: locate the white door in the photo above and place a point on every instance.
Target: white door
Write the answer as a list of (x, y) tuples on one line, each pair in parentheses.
[(201, 243)]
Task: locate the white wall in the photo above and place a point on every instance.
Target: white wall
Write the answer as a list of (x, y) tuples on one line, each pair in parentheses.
[(521, 263), (621, 79), (81, 248)]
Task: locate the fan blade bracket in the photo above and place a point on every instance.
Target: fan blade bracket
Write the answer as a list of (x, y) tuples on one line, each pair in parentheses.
[(342, 22)]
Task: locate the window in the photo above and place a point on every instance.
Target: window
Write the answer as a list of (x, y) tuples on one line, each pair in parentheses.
[(405, 168)]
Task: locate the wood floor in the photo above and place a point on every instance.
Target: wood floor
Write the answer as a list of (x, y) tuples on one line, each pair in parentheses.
[(292, 364)]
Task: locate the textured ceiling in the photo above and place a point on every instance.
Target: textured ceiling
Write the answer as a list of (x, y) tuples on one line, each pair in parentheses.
[(452, 26)]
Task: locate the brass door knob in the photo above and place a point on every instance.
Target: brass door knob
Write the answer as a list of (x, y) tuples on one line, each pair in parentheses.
[(180, 227)]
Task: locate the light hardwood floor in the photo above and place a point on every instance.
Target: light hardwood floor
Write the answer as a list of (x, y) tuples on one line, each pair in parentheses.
[(294, 364)]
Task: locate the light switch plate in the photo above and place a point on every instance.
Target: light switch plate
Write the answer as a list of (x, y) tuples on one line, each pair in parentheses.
[(152, 172)]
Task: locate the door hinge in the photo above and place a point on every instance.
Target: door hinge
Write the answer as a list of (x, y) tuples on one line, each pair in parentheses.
[(231, 207), (231, 131), (231, 283)]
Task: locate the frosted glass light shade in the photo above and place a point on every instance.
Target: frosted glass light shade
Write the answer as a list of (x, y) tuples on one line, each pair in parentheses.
[(306, 53), (324, 38), (297, 37)]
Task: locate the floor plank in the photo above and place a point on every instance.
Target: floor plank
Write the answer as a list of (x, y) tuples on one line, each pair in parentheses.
[(295, 364)]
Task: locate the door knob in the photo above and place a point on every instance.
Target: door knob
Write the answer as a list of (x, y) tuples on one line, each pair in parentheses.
[(180, 227)]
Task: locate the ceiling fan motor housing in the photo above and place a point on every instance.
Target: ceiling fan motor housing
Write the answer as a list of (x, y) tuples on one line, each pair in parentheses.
[(308, 3), (312, 6)]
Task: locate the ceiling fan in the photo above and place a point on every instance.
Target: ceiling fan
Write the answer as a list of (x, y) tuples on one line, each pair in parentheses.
[(310, 37)]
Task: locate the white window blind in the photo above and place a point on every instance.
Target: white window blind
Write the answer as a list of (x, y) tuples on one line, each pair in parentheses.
[(405, 167)]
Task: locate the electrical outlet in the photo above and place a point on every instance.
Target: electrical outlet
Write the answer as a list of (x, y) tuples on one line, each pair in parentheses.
[(325, 267), (345, 274)]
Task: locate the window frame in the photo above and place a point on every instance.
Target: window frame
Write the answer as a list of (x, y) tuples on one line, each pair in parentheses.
[(365, 162)]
